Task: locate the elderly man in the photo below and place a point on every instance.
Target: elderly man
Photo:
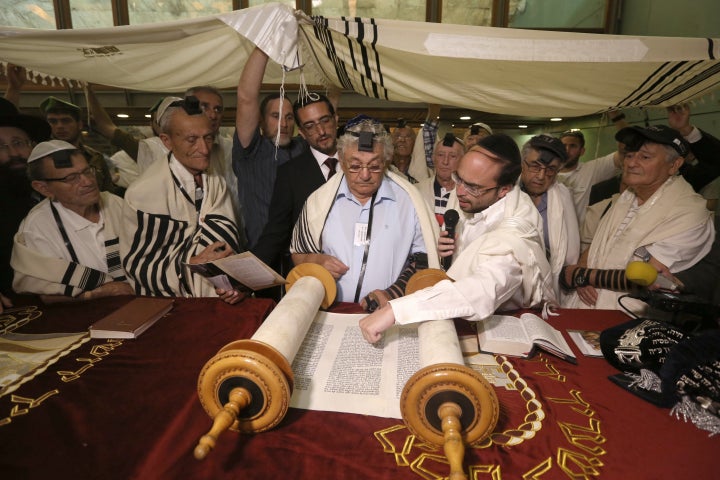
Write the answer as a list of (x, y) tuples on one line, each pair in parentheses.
[(436, 189), (178, 212), (658, 219), (500, 262), (542, 158), (67, 247), (18, 134), (368, 225)]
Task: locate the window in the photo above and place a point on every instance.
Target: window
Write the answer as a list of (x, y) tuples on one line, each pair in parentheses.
[(152, 11), (91, 13), (31, 14), (391, 9)]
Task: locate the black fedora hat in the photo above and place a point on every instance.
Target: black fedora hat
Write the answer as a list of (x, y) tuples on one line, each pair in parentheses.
[(36, 128)]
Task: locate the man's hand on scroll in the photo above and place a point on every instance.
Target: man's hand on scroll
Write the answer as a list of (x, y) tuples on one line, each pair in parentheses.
[(376, 323)]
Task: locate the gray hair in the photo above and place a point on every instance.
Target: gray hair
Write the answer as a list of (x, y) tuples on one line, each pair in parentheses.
[(670, 153), (166, 119), (380, 136)]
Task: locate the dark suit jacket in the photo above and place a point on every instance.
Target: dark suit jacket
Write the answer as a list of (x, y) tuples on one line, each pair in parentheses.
[(294, 183), (707, 152)]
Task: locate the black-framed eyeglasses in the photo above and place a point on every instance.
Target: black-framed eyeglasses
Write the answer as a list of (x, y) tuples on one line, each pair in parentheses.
[(312, 126), (535, 167), (73, 178), (15, 145), (471, 188), (355, 168)]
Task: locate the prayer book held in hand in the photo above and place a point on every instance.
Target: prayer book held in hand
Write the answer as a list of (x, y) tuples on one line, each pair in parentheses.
[(521, 337), (239, 270), (132, 319)]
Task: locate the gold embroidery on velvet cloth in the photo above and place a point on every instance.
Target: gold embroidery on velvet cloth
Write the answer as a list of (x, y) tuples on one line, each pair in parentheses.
[(579, 458)]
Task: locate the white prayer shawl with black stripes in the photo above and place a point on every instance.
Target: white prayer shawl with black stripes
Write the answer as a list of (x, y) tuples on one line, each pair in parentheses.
[(163, 230), (553, 73), (39, 274), (307, 234)]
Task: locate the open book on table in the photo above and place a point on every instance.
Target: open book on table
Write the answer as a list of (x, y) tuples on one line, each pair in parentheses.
[(242, 269), (521, 337)]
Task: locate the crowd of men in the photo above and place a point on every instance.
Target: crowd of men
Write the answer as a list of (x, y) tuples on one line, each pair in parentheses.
[(365, 201)]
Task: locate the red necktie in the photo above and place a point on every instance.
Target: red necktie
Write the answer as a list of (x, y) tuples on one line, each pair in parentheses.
[(330, 162)]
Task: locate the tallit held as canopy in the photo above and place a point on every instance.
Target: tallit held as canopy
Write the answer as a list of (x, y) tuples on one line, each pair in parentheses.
[(498, 70)]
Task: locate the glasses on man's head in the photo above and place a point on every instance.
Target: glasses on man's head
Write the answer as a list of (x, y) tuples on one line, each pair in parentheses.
[(356, 167), (73, 178), (536, 167), (312, 126), (471, 188), (14, 145)]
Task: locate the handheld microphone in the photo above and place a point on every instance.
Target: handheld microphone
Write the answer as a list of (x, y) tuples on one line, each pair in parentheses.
[(645, 275), (450, 220)]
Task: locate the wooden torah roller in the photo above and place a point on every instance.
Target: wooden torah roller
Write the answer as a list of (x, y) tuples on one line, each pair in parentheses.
[(446, 403), (247, 385)]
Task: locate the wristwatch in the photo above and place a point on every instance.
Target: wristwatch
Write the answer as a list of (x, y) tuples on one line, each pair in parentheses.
[(580, 277), (642, 254)]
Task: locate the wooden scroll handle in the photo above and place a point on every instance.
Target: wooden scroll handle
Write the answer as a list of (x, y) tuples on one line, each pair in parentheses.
[(454, 447), (239, 399)]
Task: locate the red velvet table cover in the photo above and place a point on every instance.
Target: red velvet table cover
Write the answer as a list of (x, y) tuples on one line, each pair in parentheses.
[(129, 409)]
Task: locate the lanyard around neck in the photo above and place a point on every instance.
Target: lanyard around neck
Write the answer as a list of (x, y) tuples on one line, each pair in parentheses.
[(367, 249), (63, 233)]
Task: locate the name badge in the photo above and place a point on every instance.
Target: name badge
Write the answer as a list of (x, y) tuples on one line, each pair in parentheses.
[(361, 234)]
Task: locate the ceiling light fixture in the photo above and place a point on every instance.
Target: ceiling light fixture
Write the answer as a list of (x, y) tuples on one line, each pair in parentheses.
[(556, 119)]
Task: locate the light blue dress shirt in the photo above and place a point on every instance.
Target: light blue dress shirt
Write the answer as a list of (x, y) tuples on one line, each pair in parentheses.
[(395, 235)]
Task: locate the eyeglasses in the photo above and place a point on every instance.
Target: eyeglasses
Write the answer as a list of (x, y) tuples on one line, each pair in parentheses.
[(73, 178), (15, 145), (312, 126), (354, 168), (535, 167), (472, 189)]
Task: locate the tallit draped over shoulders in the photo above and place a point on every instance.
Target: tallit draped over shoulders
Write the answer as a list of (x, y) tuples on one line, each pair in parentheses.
[(163, 230)]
